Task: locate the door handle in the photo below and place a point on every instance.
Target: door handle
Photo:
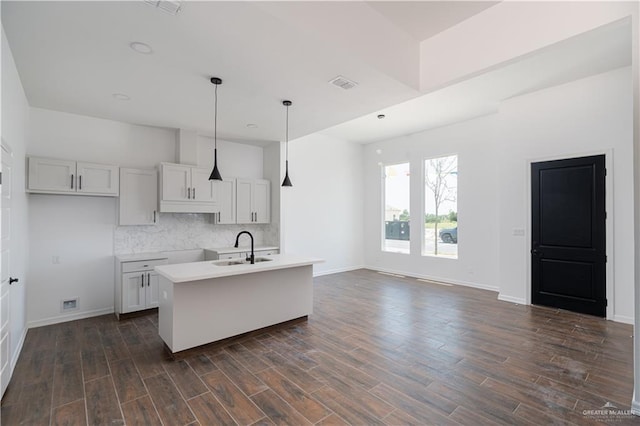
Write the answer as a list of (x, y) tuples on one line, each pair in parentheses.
[(535, 252), (12, 280)]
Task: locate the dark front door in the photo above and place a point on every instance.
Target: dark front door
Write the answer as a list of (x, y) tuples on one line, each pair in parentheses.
[(568, 252)]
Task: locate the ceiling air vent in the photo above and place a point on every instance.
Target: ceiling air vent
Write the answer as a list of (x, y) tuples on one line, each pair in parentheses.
[(169, 6), (343, 83)]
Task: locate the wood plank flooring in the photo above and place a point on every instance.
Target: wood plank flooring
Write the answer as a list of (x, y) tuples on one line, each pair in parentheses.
[(377, 350)]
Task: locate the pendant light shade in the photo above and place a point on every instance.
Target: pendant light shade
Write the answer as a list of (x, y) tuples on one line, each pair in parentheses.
[(215, 173), (287, 181)]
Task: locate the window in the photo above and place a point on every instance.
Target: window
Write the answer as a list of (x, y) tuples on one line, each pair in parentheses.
[(396, 208), (441, 207)]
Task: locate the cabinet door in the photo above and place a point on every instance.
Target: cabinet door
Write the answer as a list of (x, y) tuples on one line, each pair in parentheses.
[(97, 178), (153, 290), (176, 180), (202, 189), (225, 192), (133, 291), (261, 196), (138, 197), (48, 174), (244, 213)]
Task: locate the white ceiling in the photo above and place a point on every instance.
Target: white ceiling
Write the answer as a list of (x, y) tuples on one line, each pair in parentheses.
[(424, 19), (73, 56), (600, 50)]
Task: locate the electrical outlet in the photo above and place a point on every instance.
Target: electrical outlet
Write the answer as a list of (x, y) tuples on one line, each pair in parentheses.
[(518, 232)]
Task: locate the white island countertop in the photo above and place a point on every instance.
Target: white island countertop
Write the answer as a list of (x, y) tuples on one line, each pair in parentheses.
[(195, 271)]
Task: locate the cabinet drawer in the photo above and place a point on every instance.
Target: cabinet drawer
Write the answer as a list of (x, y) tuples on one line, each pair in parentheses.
[(266, 252), (142, 265), (229, 256)]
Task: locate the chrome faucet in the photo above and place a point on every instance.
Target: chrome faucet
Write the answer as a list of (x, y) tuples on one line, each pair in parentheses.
[(252, 258)]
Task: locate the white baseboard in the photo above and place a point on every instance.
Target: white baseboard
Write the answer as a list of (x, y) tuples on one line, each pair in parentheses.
[(433, 278), (623, 319), (511, 299), (70, 317), (337, 271), (16, 354), (635, 406)]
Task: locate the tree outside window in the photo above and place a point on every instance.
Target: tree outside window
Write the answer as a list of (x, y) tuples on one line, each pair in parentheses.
[(441, 206)]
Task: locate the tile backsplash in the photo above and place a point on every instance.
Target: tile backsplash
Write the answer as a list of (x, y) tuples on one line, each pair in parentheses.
[(183, 231)]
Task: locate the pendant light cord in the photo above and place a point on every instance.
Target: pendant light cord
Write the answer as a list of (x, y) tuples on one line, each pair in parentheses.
[(215, 119), (287, 133)]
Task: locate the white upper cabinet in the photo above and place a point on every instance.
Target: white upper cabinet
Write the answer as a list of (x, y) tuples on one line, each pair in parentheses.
[(225, 196), (97, 178), (187, 189), (176, 180), (202, 189), (138, 197), (253, 201), (53, 176)]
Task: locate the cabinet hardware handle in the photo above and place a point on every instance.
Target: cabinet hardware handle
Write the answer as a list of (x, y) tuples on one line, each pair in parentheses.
[(12, 280), (194, 193), (218, 216), (154, 216), (80, 182), (142, 285), (188, 193), (148, 279), (72, 181)]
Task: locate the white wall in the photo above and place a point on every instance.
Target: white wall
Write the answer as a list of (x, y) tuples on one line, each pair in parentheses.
[(474, 143), (588, 116), (322, 212), (15, 122), (234, 159), (70, 136), (82, 231)]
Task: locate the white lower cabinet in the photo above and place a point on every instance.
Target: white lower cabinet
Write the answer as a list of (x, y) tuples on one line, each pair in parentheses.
[(137, 285)]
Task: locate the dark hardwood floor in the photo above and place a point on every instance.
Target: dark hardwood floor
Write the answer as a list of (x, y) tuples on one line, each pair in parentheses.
[(377, 350)]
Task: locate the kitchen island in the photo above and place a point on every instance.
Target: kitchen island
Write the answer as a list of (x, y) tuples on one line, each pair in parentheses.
[(203, 302)]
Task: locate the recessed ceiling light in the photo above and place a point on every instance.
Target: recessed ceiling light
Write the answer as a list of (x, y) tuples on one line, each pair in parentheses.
[(252, 126), (140, 47), (381, 116), (121, 97)]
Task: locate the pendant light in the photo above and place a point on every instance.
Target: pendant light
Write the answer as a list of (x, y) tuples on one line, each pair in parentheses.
[(287, 181), (215, 173)]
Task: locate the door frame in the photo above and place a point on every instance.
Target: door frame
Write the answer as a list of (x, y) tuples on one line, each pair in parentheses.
[(608, 161)]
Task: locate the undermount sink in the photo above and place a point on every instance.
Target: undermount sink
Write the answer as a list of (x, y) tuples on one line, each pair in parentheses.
[(240, 261)]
